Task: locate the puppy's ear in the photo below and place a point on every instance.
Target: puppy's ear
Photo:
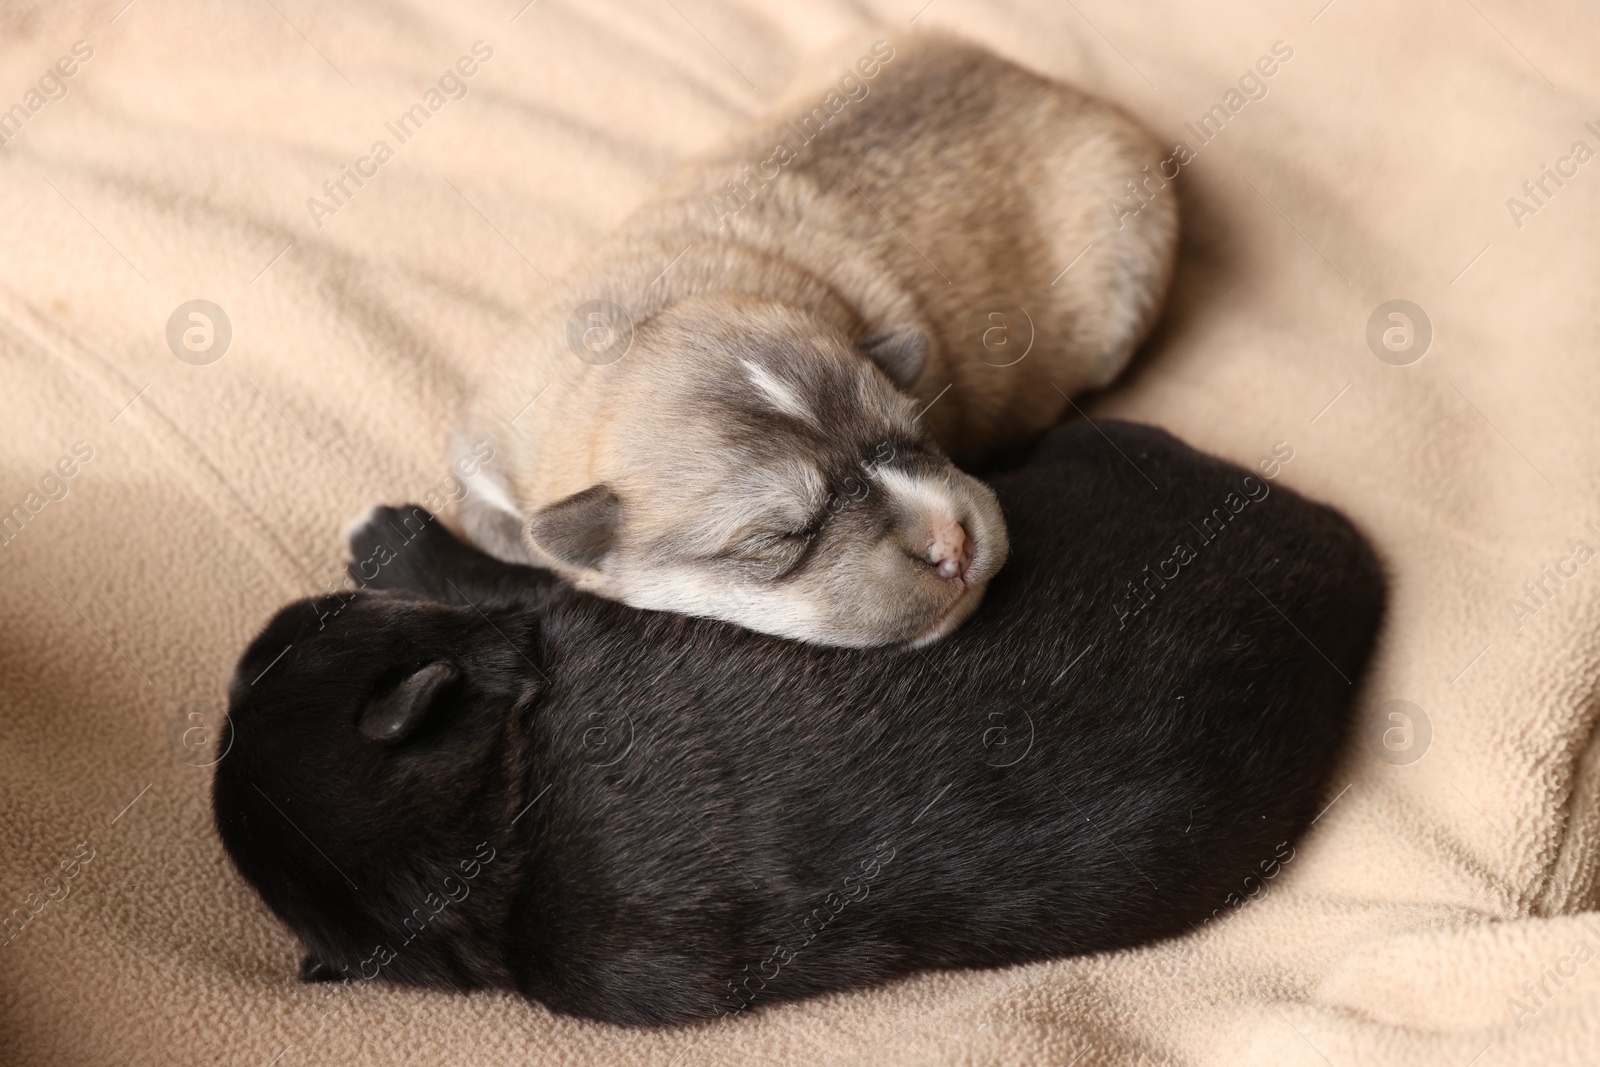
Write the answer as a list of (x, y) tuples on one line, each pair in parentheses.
[(314, 970), (396, 715), (579, 530), (899, 353)]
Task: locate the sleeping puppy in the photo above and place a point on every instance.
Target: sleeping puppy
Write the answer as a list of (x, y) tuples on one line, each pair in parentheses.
[(482, 778), (742, 407)]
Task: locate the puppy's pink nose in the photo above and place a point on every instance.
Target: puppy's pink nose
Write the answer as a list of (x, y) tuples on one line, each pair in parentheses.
[(951, 551)]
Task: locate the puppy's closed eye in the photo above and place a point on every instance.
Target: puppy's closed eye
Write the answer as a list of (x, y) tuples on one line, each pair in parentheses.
[(783, 507), (777, 549)]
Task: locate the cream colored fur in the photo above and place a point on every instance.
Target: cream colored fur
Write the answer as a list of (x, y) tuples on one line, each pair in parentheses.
[(976, 226)]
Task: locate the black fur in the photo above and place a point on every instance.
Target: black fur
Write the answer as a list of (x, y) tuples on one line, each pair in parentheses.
[(644, 819)]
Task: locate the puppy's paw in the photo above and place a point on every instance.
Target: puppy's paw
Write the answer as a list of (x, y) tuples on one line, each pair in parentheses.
[(411, 550), (379, 524), (389, 544), (360, 532)]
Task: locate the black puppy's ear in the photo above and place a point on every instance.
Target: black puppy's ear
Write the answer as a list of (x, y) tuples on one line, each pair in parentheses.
[(396, 715), (314, 970), (899, 353), (579, 530)]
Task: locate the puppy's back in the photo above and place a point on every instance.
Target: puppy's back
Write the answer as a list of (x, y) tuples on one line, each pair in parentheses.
[(1077, 769), (960, 184), (692, 819)]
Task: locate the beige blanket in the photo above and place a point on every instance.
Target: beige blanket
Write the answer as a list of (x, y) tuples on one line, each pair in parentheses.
[(173, 491)]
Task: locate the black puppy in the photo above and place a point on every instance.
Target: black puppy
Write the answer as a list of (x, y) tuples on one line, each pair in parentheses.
[(482, 778)]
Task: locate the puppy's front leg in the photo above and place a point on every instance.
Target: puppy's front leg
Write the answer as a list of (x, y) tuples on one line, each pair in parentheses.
[(408, 548)]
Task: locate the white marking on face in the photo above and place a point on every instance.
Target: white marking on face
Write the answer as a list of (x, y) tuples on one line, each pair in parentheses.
[(922, 495), (778, 392)]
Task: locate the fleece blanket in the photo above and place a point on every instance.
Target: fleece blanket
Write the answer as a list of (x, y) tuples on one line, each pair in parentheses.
[(254, 255)]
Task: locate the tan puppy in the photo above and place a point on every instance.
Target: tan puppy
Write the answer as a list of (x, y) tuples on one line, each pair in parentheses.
[(741, 407)]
